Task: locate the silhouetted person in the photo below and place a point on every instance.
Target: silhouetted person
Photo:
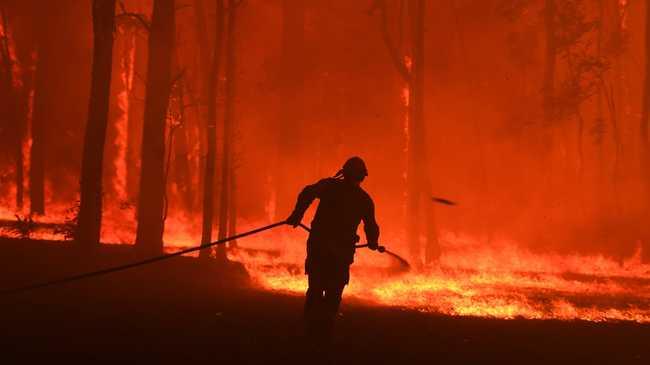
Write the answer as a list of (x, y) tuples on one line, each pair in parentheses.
[(330, 247)]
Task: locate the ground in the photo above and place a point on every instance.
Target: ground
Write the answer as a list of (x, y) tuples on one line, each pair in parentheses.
[(182, 311)]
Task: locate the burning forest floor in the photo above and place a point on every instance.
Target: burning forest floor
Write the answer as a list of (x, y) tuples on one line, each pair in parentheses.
[(472, 278), (182, 309)]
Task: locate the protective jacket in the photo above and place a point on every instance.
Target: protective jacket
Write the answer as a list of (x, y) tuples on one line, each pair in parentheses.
[(343, 205)]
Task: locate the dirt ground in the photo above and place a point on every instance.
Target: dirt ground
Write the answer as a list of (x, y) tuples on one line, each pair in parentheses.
[(185, 311)]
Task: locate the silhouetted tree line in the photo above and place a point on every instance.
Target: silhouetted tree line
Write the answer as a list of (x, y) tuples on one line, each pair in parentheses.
[(582, 42)]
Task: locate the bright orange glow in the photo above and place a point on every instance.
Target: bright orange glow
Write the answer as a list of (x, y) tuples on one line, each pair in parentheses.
[(16, 71), (549, 213), (473, 278), (500, 281)]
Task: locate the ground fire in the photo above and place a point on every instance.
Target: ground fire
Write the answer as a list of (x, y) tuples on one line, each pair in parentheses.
[(506, 144)]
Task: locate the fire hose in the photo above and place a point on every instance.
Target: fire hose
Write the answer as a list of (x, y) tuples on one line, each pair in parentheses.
[(151, 260)]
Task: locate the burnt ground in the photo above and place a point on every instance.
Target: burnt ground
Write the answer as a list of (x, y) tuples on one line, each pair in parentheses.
[(185, 311)]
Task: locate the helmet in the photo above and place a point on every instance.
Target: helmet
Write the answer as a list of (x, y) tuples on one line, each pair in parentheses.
[(354, 168)]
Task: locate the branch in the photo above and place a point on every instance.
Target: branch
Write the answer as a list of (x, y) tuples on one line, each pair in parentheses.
[(137, 16), (397, 59)]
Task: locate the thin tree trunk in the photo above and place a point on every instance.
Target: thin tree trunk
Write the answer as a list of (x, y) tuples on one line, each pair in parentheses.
[(431, 247), (90, 208), (599, 126), (152, 189), (228, 123), (616, 95), (550, 61), (546, 159), (600, 120), (211, 132), (134, 131), (232, 219), (38, 134), (181, 154), (205, 68), (417, 179), (14, 114), (417, 165), (231, 92), (643, 129)]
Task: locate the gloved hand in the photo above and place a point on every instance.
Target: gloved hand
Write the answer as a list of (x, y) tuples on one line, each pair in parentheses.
[(373, 245), (294, 220)]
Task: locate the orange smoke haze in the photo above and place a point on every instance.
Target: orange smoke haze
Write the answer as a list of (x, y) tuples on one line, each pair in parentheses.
[(552, 217)]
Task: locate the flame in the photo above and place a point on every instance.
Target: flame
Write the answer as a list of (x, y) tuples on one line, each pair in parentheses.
[(497, 279), (472, 279), (16, 71)]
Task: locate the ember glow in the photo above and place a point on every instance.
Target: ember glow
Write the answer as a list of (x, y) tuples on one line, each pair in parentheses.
[(500, 281), (496, 280)]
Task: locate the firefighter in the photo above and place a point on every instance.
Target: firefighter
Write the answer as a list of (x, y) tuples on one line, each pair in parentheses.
[(330, 246)]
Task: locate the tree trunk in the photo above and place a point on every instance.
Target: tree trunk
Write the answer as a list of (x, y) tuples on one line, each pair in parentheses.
[(205, 68), (152, 177), (90, 207), (417, 165), (418, 183), (182, 174), (136, 95), (644, 141), (550, 61), (232, 211), (14, 116), (211, 132), (548, 95), (39, 120), (228, 125)]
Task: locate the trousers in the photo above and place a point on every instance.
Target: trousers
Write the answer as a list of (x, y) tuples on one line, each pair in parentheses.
[(322, 302)]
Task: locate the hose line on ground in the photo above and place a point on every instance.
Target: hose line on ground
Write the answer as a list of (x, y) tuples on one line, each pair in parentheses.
[(135, 264)]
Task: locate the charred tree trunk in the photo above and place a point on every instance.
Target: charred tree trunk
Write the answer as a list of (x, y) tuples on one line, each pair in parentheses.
[(418, 159), (181, 156), (13, 114), (205, 68), (418, 207), (614, 97), (136, 95), (90, 207), (25, 48), (152, 177), (211, 132), (231, 92), (600, 119), (232, 211), (644, 141), (228, 125), (39, 120), (548, 87), (20, 162), (37, 155), (418, 184)]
